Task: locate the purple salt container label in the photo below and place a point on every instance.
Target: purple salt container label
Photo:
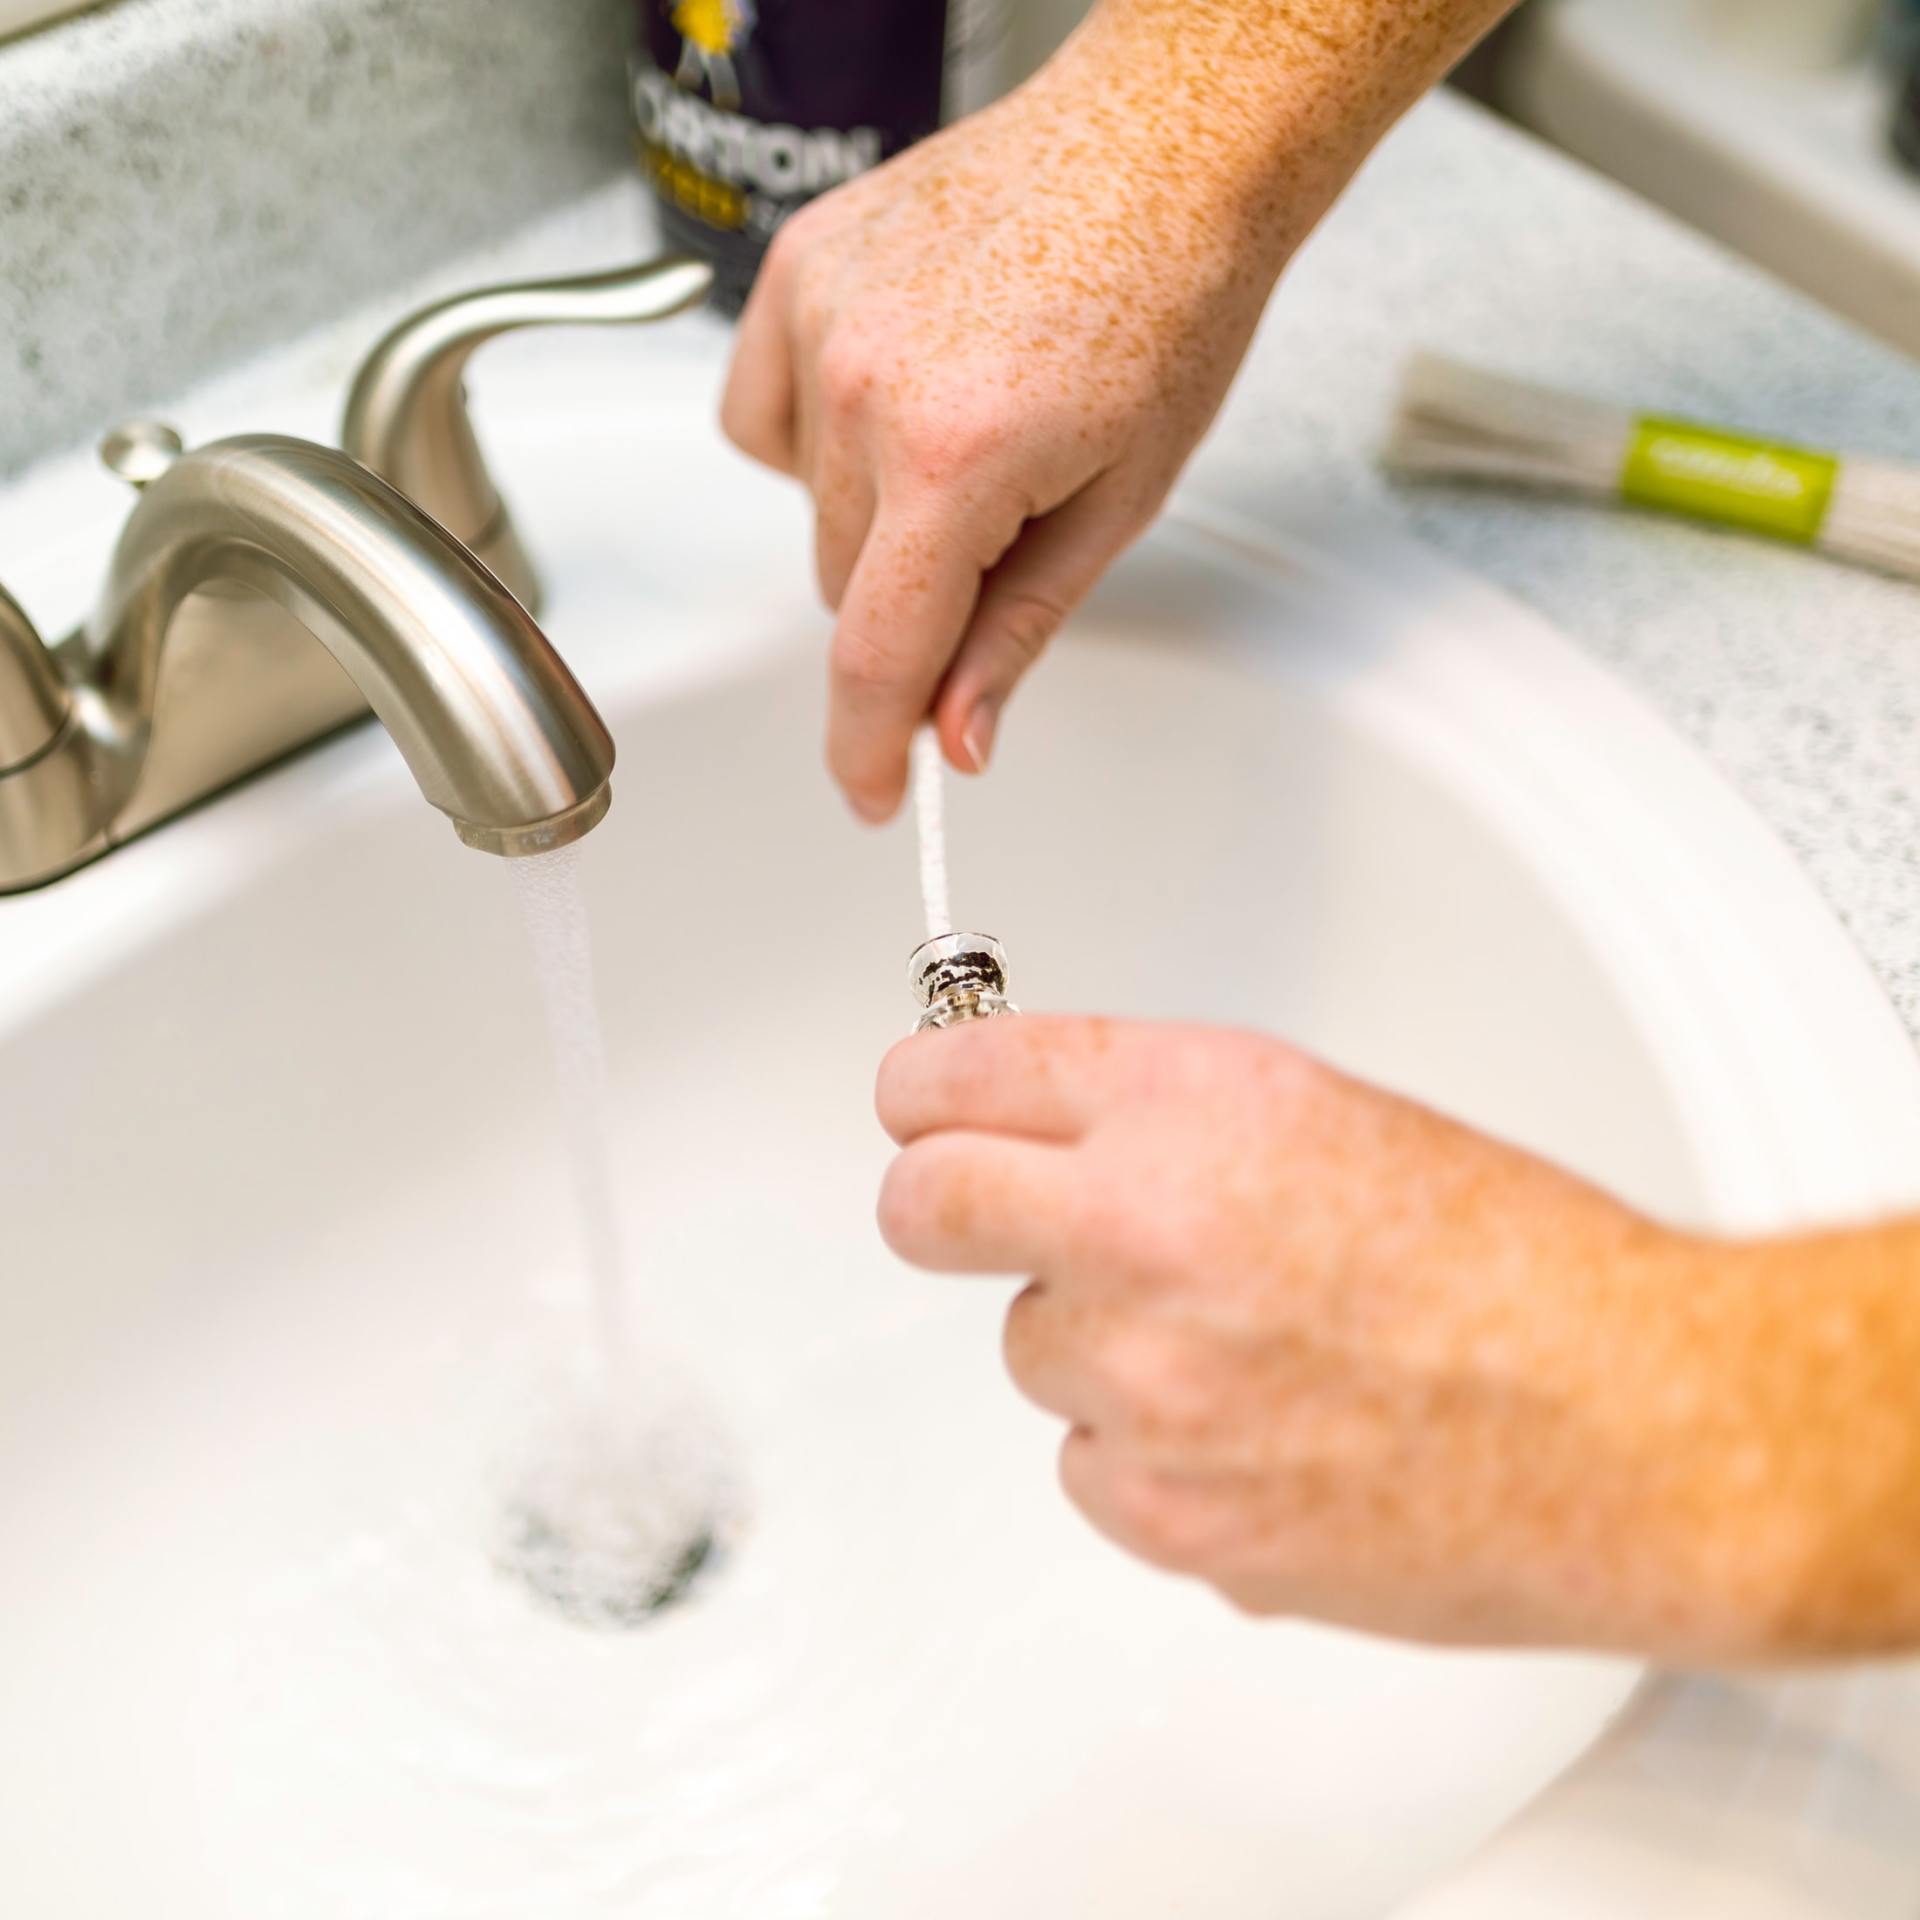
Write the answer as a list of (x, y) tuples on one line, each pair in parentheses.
[(746, 109)]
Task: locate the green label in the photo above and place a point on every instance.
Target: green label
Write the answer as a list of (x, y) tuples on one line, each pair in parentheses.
[(1757, 484)]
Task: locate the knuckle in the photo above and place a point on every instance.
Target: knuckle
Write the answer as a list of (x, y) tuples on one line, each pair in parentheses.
[(1182, 1238), (1025, 1336), (844, 374), (744, 421), (1197, 1062), (1162, 1394), (1188, 1410), (979, 435), (938, 444), (892, 1082), (1128, 1365), (1287, 1076), (789, 246), (863, 664), (906, 1207)]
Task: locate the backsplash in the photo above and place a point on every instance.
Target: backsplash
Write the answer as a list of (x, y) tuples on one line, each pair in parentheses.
[(185, 181)]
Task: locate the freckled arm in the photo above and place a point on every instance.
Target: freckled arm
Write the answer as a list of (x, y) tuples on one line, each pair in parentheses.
[(1822, 1335), (1274, 104)]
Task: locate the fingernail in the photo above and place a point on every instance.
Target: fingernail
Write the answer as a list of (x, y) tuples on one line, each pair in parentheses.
[(977, 737), (869, 811)]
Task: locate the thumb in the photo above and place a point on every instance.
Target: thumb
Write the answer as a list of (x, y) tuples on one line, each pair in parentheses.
[(1042, 577)]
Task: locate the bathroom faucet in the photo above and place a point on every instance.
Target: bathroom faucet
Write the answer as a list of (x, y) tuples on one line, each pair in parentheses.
[(190, 671), (200, 666)]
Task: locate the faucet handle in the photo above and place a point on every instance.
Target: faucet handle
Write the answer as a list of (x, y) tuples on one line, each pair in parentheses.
[(406, 415), (34, 697), (140, 451)]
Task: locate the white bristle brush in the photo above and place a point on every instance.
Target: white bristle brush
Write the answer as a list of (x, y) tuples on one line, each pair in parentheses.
[(1456, 421)]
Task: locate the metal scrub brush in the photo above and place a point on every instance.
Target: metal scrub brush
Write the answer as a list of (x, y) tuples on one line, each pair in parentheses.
[(1456, 421)]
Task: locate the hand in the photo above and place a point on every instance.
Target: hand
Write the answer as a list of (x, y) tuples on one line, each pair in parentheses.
[(1339, 1356), (988, 360)]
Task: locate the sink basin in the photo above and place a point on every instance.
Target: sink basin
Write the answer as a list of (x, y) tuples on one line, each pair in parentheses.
[(285, 1249)]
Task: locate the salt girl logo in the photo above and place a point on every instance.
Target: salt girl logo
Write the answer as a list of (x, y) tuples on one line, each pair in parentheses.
[(711, 31), (729, 152)]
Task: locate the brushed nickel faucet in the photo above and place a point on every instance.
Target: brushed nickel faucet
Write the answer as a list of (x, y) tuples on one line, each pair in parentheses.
[(200, 663)]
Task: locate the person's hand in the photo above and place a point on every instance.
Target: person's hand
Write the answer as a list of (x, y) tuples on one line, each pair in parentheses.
[(988, 360), (1340, 1356)]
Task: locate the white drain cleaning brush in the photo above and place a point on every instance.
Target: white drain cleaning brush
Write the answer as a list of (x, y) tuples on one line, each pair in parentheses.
[(1456, 421), (953, 976)]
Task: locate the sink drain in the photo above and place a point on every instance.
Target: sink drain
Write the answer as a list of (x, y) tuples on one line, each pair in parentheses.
[(610, 1515), (582, 1580)]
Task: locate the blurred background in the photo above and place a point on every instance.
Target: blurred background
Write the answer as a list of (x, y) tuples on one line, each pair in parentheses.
[(1788, 130)]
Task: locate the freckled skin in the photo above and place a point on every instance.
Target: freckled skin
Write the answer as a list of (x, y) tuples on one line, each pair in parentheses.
[(1339, 1356), (990, 358), (1315, 1345)]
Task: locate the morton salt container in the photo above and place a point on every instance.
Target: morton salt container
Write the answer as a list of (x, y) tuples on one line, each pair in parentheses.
[(746, 109)]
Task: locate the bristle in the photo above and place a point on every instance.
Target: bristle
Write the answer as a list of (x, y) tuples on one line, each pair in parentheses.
[(1459, 420), (1874, 516)]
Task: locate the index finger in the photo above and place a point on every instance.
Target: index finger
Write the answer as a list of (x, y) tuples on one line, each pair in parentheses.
[(907, 603), (1046, 1077)]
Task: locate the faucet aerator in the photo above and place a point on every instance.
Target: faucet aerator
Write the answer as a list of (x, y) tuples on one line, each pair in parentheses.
[(538, 836)]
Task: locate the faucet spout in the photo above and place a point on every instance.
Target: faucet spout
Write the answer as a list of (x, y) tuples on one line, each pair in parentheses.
[(495, 729)]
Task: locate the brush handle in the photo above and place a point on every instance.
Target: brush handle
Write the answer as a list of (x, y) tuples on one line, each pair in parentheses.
[(1707, 473)]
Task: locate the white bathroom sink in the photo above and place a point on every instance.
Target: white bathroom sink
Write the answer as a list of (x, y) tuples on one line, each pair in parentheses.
[(283, 1249)]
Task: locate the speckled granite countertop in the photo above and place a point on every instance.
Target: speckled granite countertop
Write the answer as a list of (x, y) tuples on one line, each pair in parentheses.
[(1799, 678), (185, 181)]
